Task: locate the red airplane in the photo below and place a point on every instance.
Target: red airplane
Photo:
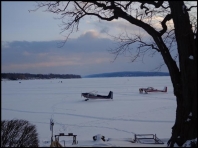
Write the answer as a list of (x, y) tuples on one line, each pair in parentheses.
[(151, 89)]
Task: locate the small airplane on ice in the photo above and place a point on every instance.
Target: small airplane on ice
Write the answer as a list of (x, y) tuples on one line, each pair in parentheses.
[(151, 89), (94, 95)]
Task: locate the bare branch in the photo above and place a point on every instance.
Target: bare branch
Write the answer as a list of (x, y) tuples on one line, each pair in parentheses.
[(156, 4), (167, 18), (189, 9), (127, 5), (103, 18), (18, 133)]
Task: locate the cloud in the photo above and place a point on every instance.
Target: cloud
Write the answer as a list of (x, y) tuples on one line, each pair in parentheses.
[(117, 26), (51, 60), (104, 30), (5, 45), (90, 34), (22, 56), (25, 53), (84, 55)]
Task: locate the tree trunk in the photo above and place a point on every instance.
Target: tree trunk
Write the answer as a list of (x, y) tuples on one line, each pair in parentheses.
[(184, 78), (185, 127)]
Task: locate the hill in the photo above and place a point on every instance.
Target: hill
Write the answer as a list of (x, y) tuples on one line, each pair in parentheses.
[(127, 74)]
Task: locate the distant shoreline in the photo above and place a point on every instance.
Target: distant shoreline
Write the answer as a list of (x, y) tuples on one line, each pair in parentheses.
[(27, 76), (127, 74)]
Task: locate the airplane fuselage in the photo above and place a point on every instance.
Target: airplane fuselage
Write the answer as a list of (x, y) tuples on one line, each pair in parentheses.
[(151, 89), (94, 96)]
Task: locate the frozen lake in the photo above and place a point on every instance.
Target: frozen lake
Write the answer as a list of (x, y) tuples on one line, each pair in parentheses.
[(129, 112)]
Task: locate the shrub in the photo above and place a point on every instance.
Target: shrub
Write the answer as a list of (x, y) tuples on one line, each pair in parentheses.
[(18, 133)]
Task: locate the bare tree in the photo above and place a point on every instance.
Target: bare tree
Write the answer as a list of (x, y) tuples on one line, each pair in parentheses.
[(18, 133), (176, 29)]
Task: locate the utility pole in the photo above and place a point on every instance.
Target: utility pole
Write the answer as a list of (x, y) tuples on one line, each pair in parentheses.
[(51, 128)]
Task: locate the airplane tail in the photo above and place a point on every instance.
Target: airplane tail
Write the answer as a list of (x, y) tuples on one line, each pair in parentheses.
[(165, 89), (110, 95)]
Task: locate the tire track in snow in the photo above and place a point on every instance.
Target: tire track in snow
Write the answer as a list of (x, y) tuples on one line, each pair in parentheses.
[(75, 125), (85, 116), (149, 95)]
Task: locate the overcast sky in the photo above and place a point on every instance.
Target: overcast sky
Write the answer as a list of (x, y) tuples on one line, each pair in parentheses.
[(30, 44)]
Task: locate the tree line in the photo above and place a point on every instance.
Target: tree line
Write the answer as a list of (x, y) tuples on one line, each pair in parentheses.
[(26, 76)]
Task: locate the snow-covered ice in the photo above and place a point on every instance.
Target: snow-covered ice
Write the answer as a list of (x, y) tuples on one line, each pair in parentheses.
[(118, 120)]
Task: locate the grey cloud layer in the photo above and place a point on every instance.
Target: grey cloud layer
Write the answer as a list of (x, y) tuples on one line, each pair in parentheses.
[(85, 55)]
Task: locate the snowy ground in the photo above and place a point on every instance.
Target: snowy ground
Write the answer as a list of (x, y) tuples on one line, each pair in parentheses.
[(129, 112)]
